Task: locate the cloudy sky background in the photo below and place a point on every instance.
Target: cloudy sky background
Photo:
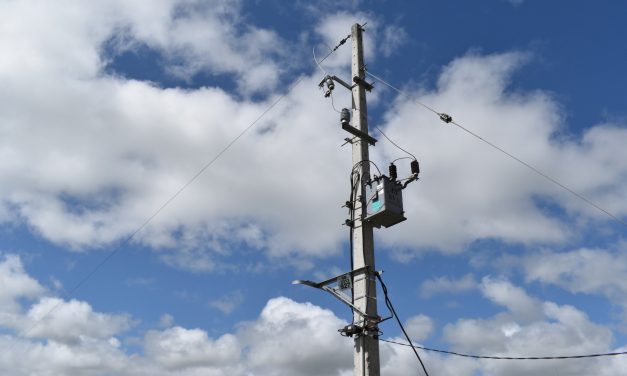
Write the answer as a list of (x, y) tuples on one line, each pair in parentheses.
[(108, 108)]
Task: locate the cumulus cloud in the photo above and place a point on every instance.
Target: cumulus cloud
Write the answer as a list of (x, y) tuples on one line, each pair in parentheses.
[(557, 330), (590, 271), (419, 327), (515, 299), (71, 321), (179, 348), (443, 284), (87, 157), (273, 343), (16, 283), (468, 190), (581, 271), (201, 36), (228, 303), (69, 337), (275, 340)]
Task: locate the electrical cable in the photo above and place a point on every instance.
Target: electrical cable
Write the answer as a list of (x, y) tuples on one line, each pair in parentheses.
[(506, 357), (369, 161), (313, 52), (394, 143), (351, 208), (333, 104), (126, 240), (390, 306), (400, 91), (398, 159), (448, 119)]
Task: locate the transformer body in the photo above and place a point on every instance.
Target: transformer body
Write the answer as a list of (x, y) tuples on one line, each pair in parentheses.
[(384, 202)]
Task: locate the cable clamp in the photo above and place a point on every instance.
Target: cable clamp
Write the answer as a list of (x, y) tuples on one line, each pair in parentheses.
[(361, 82), (348, 141)]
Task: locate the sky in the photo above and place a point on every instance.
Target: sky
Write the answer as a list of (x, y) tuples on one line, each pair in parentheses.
[(118, 258)]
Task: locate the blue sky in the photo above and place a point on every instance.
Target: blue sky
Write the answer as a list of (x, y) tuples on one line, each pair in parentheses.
[(109, 107)]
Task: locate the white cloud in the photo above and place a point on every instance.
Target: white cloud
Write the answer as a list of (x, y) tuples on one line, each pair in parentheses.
[(419, 327), (515, 299), (178, 348), (470, 191), (198, 36), (582, 271), (86, 158), (273, 345), (276, 341), (558, 330), (166, 320), (393, 37), (72, 321), (15, 284), (440, 285), (590, 271), (89, 158), (228, 303)]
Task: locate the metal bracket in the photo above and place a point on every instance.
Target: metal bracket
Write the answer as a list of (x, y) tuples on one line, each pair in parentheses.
[(343, 282), (336, 79), (356, 132)]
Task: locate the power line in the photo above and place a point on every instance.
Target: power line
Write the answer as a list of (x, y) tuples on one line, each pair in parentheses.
[(126, 240), (506, 357), (394, 143), (448, 119)]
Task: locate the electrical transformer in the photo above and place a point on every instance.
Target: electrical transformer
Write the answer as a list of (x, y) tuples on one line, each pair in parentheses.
[(384, 202)]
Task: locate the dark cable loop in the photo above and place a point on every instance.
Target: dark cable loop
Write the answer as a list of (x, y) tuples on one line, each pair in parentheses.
[(368, 161), (388, 302)]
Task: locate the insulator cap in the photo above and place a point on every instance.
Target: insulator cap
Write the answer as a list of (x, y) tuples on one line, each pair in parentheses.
[(415, 167), (393, 172)]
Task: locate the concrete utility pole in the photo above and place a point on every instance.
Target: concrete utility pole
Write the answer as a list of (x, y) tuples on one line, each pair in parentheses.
[(376, 202), (366, 355)]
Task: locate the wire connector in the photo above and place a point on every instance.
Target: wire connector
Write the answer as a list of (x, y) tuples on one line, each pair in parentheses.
[(342, 42), (446, 117)]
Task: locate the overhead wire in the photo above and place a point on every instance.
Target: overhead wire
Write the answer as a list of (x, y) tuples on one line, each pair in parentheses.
[(333, 104), (208, 164), (318, 63), (506, 357), (366, 161), (448, 119), (394, 143)]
